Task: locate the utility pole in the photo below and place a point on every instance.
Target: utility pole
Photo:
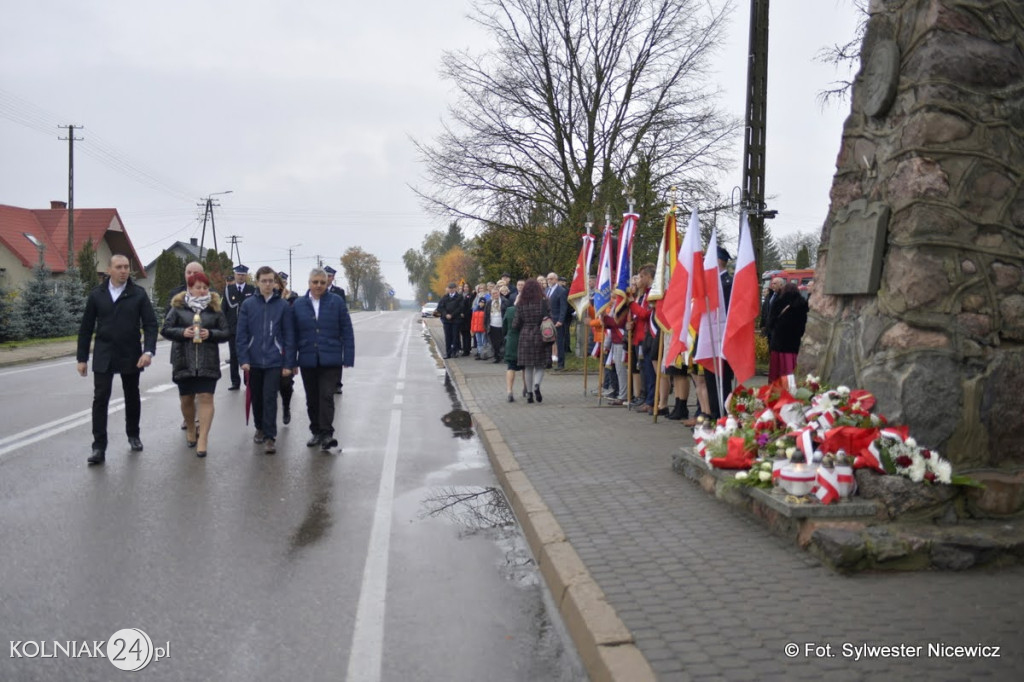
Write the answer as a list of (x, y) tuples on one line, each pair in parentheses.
[(71, 189), (235, 239), (209, 203), (754, 134)]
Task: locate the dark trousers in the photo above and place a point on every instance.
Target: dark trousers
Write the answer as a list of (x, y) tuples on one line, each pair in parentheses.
[(466, 338), (319, 383), (647, 369), (265, 383), (709, 378), (562, 343), (103, 383), (236, 378), (497, 336), (287, 390), (451, 337)]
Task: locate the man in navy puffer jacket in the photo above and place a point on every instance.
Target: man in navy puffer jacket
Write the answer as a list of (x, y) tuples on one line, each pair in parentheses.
[(325, 343), (266, 346)]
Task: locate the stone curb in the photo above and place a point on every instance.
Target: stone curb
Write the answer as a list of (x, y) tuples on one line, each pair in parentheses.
[(37, 353), (604, 643)]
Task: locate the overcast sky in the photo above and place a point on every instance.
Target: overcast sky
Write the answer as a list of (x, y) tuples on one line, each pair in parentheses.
[(304, 111)]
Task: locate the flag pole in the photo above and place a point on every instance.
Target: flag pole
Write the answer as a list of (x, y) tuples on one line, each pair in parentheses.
[(586, 353), (630, 203), (661, 337)]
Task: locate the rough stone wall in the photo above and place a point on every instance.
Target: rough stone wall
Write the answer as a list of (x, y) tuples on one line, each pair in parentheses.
[(939, 142)]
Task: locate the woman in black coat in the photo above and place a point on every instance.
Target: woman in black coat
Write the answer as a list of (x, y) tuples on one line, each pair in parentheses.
[(787, 320), (195, 365), (533, 353)]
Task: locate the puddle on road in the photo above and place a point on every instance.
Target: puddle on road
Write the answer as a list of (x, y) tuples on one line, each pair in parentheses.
[(483, 510), (315, 523)]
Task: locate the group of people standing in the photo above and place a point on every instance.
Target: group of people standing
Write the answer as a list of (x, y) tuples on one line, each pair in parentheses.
[(507, 324), (272, 334)]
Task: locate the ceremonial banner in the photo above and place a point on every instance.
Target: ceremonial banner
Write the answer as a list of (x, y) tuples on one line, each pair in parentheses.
[(666, 258), (603, 295), (625, 259), (579, 289)]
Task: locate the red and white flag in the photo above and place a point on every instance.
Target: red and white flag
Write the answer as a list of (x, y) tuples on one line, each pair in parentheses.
[(744, 309), (712, 321), (680, 310)]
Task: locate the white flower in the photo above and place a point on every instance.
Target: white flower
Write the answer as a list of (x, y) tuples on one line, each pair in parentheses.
[(731, 425), (843, 391), (780, 443), (875, 420), (741, 475), (916, 470), (764, 476), (910, 443), (943, 469), (766, 466), (811, 379), (790, 451)]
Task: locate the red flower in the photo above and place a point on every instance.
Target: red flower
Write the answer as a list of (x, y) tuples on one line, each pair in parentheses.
[(930, 477), (740, 407), (927, 454), (904, 461)]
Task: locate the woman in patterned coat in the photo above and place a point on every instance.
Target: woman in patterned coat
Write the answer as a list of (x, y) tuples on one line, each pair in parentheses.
[(533, 353)]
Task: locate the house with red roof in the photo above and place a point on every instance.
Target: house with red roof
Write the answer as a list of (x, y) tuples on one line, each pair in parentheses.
[(30, 235)]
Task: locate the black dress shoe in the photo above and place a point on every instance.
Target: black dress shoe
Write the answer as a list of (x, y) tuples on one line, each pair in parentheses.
[(135, 444), (328, 443), (200, 453), (314, 441), (287, 418), (98, 456), (536, 393), (337, 391), (234, 387)]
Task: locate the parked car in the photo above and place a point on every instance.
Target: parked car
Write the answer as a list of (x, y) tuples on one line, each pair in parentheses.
[(428, 309), (802, 278)]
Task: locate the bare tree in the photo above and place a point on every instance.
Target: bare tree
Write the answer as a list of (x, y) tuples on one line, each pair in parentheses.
[(844, 57), (789, 245), (573, 94)]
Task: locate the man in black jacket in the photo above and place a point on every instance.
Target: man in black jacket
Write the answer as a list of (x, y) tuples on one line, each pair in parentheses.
[(114, 311), (234, 295), (333, 288), (450, 310)]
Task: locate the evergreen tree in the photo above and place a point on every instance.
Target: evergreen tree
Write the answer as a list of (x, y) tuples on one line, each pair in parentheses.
[(38, 313), (770, 257), (73, 293), (6, 312), (169, 274), (88, 263), (803, 258)]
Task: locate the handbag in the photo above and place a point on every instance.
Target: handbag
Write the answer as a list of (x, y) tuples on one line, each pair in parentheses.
[(548, 333)]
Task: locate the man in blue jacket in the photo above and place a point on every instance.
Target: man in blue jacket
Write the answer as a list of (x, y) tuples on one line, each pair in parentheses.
[(266, 346), (325, 343)]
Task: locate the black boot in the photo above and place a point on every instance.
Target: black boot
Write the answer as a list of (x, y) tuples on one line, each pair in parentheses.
[(679, 411), (287, 418)]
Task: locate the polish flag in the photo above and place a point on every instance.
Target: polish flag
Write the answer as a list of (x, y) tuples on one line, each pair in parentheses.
[(684, 301), (744, 308), (712, 321)]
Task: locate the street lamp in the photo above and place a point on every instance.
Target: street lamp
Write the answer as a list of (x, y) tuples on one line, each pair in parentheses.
[(39, 246)]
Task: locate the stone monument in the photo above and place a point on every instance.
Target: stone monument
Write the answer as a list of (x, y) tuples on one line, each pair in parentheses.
[(919, 294)]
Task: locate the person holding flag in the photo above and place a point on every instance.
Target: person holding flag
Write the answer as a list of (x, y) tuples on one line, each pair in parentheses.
[(640, 324), (718, 286)]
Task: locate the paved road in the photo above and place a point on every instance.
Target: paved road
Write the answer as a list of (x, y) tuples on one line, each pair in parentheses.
[(707, 593), (362, 565)]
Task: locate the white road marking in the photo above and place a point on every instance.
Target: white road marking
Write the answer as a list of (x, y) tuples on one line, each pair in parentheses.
[(44, 431), (367, 650), (397, 400), (32, 369), (161, 388)]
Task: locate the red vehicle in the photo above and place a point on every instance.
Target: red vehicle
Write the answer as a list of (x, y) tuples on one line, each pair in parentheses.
[(802, 278)]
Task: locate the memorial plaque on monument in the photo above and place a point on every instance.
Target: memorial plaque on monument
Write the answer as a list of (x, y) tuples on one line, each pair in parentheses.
[(855, 249)]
